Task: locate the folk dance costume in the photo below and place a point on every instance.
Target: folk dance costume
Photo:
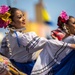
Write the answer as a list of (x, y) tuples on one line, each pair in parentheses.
[(6, 67), (55, 59), (66, 63), (58, 33), (21, 49)]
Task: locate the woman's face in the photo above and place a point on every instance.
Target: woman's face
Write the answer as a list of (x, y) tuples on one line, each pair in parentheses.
[(19, 19), (72, 25)]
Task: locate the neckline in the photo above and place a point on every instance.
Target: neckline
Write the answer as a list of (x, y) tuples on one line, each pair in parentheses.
[(13, 29)]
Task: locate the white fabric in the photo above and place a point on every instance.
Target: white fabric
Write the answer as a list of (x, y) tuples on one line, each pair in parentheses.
[(20, 54), (51, 55)]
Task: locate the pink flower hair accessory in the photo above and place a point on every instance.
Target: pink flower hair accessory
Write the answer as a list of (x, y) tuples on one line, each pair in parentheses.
[(64, 15), (4, 9), (4, 16)]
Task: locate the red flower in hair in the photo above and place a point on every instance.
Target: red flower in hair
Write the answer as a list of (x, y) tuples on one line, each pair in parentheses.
[(3, 24)]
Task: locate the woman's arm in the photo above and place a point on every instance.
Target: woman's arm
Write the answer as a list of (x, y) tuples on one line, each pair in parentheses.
[(71, 45)]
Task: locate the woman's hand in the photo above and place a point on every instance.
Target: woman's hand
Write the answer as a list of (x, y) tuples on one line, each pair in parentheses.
[(72, 45)]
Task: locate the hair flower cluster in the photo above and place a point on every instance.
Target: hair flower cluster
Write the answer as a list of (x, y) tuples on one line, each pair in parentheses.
[(4, 16), (63, 17)]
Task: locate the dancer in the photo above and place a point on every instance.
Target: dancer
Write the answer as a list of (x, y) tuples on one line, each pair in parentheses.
[(53, 61), (21, 47)]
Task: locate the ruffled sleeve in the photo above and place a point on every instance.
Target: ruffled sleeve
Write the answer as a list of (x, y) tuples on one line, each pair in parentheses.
[(31, 40)]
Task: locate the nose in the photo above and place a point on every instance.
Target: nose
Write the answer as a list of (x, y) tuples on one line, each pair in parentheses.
[(23, 19)]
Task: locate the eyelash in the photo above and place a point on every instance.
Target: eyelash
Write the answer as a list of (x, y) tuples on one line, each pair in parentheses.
[(20, 16)]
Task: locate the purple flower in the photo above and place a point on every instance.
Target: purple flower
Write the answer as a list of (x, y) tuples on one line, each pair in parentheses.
[(4, 9)]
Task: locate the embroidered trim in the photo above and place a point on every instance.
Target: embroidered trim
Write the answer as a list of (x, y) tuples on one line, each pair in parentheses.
[(4, 44), (32, 43), (50, 66)]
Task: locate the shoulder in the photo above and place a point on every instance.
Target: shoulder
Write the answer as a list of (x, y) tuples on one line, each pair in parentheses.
[(32, 34), (21, 35), (70, 39), (4, 38), (15, 34)]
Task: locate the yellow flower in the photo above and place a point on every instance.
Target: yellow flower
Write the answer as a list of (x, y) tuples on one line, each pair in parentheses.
[(5, 16)]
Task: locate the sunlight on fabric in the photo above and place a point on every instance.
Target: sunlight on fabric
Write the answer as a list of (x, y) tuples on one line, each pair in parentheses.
[(1, 36)]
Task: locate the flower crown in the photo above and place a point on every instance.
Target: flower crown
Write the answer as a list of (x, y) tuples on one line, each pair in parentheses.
[(63, 17), (4, 16)]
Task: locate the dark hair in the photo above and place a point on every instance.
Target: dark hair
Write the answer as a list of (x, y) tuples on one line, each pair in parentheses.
[(69, 20), (61, 24), (12, 11)]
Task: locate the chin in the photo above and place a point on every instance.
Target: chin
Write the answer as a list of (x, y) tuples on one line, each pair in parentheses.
[(23, 26)]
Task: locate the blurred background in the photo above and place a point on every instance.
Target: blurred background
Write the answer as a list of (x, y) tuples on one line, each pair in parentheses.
[(41, 15)]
